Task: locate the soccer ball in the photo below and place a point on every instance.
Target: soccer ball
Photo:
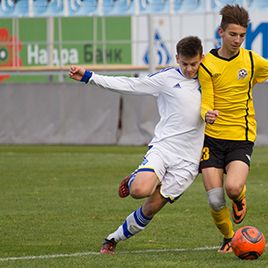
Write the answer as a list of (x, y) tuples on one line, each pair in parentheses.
[(248, 243)]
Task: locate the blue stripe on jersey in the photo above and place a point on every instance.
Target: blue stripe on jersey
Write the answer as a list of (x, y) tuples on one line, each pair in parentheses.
[(140, 218), (126, 232), (161, 71), (179, 71), (145, 169)]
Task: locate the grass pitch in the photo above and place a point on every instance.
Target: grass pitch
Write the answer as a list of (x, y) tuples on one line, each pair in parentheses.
[(57, 203)]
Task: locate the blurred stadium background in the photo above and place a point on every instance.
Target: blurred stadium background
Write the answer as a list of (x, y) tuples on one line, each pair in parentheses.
[(40, 39)]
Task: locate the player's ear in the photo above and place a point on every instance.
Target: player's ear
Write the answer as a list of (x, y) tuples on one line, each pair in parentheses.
[(177, 58), (220, 31)]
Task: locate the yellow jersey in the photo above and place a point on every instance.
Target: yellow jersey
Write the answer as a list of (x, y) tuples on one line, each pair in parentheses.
[(226, 86)]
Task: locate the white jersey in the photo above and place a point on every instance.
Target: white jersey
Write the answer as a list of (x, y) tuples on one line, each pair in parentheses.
[(180, 131)]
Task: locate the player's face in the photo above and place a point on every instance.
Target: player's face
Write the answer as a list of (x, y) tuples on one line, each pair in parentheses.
[(189, 65), (232, 38)]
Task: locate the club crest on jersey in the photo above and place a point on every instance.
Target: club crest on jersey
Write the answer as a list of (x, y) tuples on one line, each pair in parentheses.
[(242, 74)]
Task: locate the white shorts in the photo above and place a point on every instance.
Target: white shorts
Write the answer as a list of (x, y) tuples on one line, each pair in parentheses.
[(175, 174)]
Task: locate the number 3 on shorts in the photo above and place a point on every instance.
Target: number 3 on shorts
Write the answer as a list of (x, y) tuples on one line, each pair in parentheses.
[(205, 154)]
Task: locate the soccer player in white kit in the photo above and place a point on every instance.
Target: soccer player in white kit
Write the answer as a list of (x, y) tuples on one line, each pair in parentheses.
[(172, 161)]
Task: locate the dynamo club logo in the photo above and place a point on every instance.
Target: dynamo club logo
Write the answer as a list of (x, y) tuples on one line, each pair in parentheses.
[(10, 48), (163, 54)]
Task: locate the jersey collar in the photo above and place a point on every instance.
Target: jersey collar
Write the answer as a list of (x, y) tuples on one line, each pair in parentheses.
[(214, 52)]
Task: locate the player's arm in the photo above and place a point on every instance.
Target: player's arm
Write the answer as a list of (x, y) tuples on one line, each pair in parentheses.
[(261, 68), (140, 86), (208, 113)]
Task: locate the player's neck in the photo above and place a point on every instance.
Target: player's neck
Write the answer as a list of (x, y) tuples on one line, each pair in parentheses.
[(227, 54)]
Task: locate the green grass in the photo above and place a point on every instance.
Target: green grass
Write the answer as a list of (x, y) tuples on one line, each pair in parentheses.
[(63, 200)]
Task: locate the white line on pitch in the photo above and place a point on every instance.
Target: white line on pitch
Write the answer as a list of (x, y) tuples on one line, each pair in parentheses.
[(89, 253), (79, 254)]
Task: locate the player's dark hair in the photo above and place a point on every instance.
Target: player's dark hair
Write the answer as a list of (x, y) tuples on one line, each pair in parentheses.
[(234, 14), (189, 46)]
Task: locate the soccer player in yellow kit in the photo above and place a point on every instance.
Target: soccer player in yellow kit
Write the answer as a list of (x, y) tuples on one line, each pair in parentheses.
[(227, 76)]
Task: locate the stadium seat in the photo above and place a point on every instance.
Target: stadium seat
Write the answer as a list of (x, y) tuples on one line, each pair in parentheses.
[(12, 8), (40, 8), (55, 8), (216, 5), (154, 6), (7, 8), (83, 7), (258, 5), (21, 8), (177, 5), (118, 7), (45, 8), (189, 6)]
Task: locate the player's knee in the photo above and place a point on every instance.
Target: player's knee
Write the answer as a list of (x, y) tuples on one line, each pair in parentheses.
[(137, 191), (143, 185), (233, 190), (141, 191), (216, 199)]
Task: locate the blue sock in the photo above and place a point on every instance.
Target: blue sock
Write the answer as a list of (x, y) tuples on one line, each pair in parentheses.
[(133, 224)]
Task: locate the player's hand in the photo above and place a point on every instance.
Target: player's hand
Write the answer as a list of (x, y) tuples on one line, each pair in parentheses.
[(211, 116), (76, 72)]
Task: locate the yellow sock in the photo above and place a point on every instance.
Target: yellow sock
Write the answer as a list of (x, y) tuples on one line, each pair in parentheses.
[(242, 194), (223, 222)]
